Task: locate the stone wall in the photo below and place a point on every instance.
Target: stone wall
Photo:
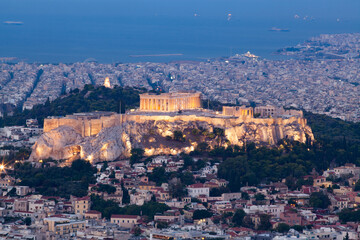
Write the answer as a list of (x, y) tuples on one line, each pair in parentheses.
[(84, 127), (111, 137)]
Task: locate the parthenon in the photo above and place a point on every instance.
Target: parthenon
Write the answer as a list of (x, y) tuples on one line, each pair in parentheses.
[(170, 102)]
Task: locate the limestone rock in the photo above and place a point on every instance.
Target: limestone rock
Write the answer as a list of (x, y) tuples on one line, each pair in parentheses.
[(153, 136)]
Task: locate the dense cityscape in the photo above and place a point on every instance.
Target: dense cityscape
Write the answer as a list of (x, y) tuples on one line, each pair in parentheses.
[(324, 78), (305, 185)]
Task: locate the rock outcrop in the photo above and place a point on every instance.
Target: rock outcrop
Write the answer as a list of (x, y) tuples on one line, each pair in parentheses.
[(154, 135)]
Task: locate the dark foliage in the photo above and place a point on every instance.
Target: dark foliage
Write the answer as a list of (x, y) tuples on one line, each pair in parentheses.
[(282, 228), (158, 175), (107, 208), (105, 188), (319, 200), (238, 218), (201, 214), (349, 215), (56, 181), (136, 155), (89, 99)]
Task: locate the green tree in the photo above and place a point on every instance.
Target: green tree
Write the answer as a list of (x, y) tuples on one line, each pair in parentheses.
[(357, 186), (348, 215), (178, 136), (104, 167), (201, 214), (136, 155), (238, 217), (264, 222), (176, 188), (158, 175), (137, 231), (203, 147), (298, 228), (162, 224), (319, 200), (282, 228), (187, 178), (27, 221), (259, 197), (106, 188), (126, 196)]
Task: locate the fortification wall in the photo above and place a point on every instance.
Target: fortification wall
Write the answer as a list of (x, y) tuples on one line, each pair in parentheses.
[(91, 127), (85, 127), (110, 137)]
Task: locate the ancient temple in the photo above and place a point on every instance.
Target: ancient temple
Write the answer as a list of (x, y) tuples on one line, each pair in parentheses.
[(238, 111), (170, 102)]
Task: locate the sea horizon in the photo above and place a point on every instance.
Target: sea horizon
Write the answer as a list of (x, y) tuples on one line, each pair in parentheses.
[(163, 31)]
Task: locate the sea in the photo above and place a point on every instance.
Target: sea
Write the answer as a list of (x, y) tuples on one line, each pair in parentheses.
[(112, 31)]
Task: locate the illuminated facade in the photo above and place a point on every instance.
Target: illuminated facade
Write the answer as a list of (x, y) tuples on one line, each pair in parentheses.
[(107, 83), (238, 111), (170, 102)]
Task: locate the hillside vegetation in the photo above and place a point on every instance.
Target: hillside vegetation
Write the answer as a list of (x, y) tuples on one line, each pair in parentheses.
[(89, 99), (337, 142)]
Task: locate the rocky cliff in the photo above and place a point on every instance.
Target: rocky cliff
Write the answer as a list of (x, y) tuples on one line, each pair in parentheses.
[(156, 136)]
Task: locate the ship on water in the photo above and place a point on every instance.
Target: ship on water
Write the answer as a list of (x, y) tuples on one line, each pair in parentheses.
[(13, 23), (275, 29)]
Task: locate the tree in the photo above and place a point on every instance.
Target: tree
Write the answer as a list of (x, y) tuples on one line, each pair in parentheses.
[(282, 228), (259, 197), (245, 196), (201, 214), (137, 231), (202, 147), (187, 178), (298, 228), (161, 224), (247, 222), (188, 161), (136, 155), (27, 221), (264, 222), (106, 188), (176, 188), (237, 171), (319, 200), (126, 196), (178, 136), (104, 167), (217, 192), (238, 217), (348, 215), (357, 186), (219, 132), (158, 175)]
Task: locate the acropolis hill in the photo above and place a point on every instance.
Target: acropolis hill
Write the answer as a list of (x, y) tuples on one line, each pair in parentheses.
[(106, 136)]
